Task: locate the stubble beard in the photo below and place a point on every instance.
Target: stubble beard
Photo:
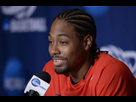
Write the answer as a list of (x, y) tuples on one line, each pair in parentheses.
[(60, 70)]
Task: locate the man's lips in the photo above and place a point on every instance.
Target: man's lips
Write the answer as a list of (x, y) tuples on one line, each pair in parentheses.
[(58, 62)]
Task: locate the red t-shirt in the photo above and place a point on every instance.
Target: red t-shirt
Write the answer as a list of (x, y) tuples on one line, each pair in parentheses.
[(108, 77)]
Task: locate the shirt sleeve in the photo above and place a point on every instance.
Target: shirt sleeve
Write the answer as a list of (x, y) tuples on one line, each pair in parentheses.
[(116, 80)]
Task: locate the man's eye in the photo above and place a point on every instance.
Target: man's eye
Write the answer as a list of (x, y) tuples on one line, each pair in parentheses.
[(63, 42), (50, 42)]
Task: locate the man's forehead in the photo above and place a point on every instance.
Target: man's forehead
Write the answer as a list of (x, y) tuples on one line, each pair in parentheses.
[(62, 28), (59, 35)]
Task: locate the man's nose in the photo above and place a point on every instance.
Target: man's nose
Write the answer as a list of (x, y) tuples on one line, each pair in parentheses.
[(55, 50)]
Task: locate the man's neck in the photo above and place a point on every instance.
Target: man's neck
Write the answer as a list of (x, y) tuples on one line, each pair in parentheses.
[(79, 74)]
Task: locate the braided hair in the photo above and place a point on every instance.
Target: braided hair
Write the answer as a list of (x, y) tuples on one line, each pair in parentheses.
[(84, 24)]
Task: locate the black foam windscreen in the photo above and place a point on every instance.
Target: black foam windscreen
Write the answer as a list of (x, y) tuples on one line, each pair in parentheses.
[(44, 76)]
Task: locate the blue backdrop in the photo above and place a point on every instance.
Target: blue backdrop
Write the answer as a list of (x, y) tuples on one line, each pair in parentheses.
[(24, 43)]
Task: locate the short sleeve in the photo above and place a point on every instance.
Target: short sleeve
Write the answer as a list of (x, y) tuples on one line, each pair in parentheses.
[(116, 80)]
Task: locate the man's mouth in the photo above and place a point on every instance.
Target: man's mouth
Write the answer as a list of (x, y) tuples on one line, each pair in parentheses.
[(58, 62)]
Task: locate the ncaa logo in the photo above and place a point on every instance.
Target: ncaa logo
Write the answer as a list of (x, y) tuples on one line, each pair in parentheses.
[(18, 11), (24, 22), (35, 82), (97, 10)]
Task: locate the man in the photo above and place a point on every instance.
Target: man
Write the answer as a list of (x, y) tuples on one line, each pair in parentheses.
[(78, 67)]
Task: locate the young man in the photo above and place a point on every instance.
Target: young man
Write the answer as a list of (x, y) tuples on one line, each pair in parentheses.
[(78, 67)]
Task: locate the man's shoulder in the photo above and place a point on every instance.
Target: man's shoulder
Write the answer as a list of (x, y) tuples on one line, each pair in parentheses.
[(49, 63), (112, 65), (114, 76), (48, 66), (108, 59)]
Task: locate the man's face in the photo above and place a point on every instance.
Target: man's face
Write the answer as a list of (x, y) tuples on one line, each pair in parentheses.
[(66, 50)]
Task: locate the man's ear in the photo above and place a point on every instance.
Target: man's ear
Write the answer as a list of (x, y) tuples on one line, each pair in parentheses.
[(88, 40)]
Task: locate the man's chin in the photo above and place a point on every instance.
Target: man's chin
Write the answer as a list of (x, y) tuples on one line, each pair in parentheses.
[(61, 70)]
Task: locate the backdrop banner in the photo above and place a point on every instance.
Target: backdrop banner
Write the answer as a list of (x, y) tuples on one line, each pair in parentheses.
[(24, 39)]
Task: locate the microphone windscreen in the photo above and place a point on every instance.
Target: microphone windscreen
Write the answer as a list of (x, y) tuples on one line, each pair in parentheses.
[(44, 76)]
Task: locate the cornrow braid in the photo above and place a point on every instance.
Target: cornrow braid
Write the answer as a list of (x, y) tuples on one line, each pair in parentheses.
[(84, 24)]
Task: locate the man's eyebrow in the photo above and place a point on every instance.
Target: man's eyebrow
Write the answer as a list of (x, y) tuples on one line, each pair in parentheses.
[(59, 35), (63, 35)]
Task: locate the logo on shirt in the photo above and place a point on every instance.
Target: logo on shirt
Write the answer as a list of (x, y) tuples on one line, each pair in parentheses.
[(91, 78), (128, 57)]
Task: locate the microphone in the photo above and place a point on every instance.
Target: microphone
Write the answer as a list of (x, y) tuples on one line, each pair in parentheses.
[(38, 85)]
